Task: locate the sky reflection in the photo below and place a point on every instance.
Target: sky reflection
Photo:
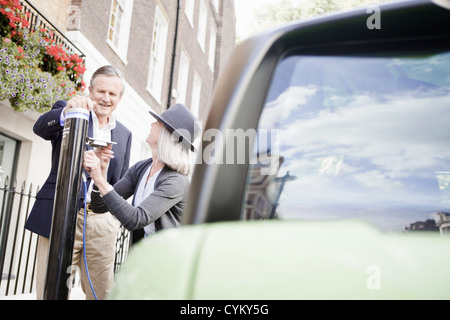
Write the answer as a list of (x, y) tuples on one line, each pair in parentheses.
[(366, 138)]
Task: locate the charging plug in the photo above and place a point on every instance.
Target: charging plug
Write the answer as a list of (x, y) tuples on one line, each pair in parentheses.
[(96, 143)]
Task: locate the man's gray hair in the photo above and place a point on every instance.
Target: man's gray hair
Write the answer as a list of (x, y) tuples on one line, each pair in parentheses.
[(109, 71)]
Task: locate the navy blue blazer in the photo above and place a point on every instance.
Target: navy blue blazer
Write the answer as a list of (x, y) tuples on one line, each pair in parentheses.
[(48, 127)]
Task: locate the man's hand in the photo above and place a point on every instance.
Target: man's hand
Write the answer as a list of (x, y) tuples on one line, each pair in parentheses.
[(79, 102)]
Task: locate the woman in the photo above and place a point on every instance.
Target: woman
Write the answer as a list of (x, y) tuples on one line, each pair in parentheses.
[(159, 184)]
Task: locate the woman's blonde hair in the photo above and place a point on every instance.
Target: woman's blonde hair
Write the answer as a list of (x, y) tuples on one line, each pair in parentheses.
[(173, 153)]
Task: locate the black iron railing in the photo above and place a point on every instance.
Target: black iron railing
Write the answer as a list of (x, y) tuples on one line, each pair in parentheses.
[(18, 246)]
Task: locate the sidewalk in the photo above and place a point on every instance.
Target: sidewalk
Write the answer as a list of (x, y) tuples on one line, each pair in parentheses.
[(75, 294)]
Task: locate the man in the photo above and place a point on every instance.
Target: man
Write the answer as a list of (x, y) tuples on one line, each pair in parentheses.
[(105, 92)]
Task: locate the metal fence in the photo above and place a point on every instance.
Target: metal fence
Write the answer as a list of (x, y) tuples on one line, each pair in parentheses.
[(18, 246)]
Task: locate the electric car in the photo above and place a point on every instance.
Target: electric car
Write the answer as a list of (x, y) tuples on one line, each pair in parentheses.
[(324, 168)]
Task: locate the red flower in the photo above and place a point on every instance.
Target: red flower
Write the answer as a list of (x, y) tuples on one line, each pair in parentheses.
[(14, 13), (56, 58)]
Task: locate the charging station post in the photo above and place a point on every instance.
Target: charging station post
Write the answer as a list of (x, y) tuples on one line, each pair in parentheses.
[(65, 208)]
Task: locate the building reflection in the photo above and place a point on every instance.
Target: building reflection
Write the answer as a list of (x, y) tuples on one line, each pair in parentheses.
[(442, 225), (260, 198), (427, 225), (263, 196)]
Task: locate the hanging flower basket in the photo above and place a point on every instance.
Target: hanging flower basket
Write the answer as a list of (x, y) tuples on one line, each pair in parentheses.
[(34, 71)]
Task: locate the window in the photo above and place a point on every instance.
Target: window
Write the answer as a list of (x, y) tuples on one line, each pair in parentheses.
[(196, 94), (183, 75), (8, 158), (115, 22), (189, 11), (216, 5), (202, 22), (355, 137), (212, 46), (157, 55), (119, 26)]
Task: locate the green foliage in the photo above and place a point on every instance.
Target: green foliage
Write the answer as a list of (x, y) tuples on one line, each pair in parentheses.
[(22, 80), (285, 11), (34, 72)]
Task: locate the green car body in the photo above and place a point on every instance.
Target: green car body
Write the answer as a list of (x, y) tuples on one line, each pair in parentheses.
[(262, 260)]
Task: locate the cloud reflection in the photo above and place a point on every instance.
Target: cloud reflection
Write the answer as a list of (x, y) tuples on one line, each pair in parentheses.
[(372, 156)]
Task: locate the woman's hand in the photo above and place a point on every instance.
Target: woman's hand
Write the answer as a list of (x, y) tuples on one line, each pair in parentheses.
[(91, 163), (97, 167), (105, 154)]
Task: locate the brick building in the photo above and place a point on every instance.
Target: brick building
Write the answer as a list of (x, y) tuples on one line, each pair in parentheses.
[(198, 33)]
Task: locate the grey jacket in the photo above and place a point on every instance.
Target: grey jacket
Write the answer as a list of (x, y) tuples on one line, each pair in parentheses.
[(164, 206)]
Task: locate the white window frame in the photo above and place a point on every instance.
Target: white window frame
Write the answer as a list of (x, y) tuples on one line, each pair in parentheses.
[(189, 11), (119, 43), (202, 25), (8, 157), (183, 76), (212, 46), (157, 55), (217, 5)]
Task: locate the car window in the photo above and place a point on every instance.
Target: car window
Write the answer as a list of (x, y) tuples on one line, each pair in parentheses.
[(344, 137)]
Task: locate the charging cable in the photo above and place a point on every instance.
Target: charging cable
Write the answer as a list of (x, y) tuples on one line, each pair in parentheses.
[(84, 235)]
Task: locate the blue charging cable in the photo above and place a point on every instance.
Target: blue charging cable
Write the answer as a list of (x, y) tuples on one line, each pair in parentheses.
[(84, 236)]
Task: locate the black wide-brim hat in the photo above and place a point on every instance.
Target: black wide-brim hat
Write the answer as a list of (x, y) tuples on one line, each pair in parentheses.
[(181, 123)]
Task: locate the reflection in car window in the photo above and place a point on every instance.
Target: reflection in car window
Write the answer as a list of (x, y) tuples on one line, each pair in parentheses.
[(355, 137)]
